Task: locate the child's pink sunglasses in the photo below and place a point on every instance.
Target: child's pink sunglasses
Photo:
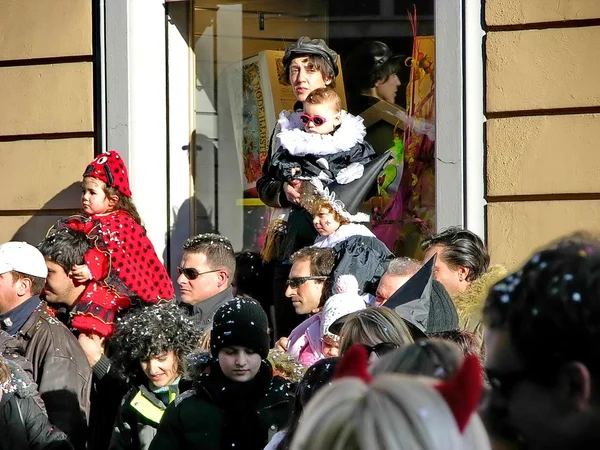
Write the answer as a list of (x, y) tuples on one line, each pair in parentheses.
[(317, 120)]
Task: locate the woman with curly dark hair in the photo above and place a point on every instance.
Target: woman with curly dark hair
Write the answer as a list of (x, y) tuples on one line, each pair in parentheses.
[(150, 347)]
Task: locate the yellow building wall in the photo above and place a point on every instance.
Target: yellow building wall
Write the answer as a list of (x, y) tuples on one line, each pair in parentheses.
[(542, 60), (47, 133)]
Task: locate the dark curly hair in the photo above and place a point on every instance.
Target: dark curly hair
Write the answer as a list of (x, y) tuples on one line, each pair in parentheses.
[(148, 331), (461, 248), (551, 307)]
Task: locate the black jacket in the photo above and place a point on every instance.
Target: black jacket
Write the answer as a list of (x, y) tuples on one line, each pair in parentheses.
[(108, 389), (12, 349), (140, 414), (23, 424), (221, 414), (61, 370)]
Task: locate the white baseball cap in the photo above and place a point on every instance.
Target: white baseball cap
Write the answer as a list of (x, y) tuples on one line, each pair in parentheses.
[(22, 257)]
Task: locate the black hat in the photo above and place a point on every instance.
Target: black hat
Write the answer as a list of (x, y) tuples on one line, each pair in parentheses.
[(241, 321), (353, 194), (424, 302), (308, 46), (365, 60)]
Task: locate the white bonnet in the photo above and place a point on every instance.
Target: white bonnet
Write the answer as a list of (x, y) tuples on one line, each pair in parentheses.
[(345, 300)]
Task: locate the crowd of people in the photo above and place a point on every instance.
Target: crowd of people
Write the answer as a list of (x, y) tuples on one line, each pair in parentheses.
[(325, 341)]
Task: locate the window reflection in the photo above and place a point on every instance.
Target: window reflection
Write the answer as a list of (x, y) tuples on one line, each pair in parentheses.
[(240, 90)]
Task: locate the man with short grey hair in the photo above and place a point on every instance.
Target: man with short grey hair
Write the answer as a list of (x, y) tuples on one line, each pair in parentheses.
[(398, 271)]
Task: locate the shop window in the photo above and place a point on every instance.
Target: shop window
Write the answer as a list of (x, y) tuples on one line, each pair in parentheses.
[(240, 91)]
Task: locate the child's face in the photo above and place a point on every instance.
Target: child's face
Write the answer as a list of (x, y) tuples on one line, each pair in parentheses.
[(325, 222), (93, 197), (161, 369), (239, 363), (326, 111), (331, 347)]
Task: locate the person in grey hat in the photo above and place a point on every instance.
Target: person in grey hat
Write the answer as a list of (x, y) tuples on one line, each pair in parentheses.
[(309, 64)]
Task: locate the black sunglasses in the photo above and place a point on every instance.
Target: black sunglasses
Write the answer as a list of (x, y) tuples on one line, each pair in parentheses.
[(299, 281), (382, 348), (191, 274)]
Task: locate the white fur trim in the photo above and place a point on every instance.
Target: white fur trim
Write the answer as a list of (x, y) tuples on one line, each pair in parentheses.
[(298, 142), (341, 234), (348, 174)]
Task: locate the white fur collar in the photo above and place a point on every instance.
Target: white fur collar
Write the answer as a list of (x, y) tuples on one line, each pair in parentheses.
[(341, 234), (298, 142)]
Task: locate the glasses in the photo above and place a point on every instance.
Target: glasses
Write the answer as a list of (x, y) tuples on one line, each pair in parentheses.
[(299, 281), (191, 274), (317, 120), (382, 348)]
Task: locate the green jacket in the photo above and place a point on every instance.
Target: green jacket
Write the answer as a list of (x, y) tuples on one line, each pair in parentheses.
[(220, 414)]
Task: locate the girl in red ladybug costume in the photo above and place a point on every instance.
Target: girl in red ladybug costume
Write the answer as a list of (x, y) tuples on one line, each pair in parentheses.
[(122, 267)]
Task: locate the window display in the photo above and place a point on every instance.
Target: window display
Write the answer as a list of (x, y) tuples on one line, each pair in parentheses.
[(384, 57)]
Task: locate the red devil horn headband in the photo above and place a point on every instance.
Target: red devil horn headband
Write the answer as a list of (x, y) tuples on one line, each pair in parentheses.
[(354, 364), (463, 391)]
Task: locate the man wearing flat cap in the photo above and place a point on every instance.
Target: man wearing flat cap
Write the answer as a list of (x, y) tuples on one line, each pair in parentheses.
[(309, 64), (60, 367)]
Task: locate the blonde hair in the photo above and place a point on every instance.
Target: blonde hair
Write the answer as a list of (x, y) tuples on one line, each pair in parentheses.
[(371, 326), (324, 95), (393, 412), (313, 203), (429, 357)]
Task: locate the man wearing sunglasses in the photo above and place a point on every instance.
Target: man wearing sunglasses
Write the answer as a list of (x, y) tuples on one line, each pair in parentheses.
[(205, 274), (542, 341), (308, 282)]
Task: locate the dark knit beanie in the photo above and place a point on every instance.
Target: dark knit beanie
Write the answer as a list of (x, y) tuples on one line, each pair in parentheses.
[(442, 312), (243, 322)]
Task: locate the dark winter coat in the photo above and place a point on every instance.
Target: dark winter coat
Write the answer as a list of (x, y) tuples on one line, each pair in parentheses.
[(221, 414), (61, 370), (140, 414), (365, 257), (23, 424), (108, 389), (12, 349)]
